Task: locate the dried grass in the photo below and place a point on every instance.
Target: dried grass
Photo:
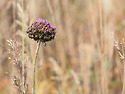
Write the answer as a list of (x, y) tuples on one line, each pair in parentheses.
[(71, 64)]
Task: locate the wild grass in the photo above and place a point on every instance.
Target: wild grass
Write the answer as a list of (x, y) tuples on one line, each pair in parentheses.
[(19, 73), (120, 46), (23, 78), (103, 81), (83, 58)]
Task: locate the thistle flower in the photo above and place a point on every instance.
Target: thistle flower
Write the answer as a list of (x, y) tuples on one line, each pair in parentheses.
[(41, 30)]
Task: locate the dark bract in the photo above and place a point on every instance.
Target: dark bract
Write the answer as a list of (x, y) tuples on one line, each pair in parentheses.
[(41, 30)]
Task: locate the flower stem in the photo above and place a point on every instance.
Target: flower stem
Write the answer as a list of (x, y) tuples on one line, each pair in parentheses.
[(34, 68)]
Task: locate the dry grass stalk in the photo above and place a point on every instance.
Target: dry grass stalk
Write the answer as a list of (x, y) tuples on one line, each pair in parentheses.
[(19, 76)]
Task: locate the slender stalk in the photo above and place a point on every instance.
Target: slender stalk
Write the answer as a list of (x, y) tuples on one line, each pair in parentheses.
[(123, 89), (102, 49), (22, 32), (34, 68), (51, 11), (23, 87)]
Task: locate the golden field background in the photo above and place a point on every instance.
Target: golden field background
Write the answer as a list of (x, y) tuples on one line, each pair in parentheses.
[(86, 56)]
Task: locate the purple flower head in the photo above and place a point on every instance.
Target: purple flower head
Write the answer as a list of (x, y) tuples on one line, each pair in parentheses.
[(41, 30)]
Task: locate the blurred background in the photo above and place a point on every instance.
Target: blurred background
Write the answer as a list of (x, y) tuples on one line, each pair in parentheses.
[(86, 56)]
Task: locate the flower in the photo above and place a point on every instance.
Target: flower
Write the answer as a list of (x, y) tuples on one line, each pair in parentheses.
[(41, 30)]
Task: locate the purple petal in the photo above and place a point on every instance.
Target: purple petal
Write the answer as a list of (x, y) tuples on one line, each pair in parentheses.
[(53, 27), (39, 20)]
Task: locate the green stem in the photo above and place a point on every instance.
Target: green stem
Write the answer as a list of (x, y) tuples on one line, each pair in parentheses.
[(34, 68)]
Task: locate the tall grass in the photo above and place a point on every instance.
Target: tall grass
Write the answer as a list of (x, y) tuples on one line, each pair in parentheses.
[(23, 43), (103, 91)]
